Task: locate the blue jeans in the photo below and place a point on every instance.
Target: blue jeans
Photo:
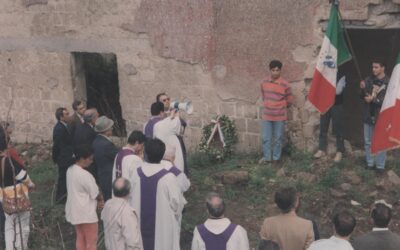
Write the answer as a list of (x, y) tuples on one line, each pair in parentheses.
[(272, 139), (379, 158)]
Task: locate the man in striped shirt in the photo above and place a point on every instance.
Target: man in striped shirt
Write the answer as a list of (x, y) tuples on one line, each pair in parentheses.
[(277, 97)]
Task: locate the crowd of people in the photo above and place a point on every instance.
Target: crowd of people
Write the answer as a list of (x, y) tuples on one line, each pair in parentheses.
[(140, 187)]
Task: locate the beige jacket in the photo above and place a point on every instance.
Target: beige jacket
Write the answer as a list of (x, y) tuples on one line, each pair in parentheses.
[(288, 230)]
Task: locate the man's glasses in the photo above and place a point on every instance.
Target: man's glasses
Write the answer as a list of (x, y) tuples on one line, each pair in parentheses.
[(166, 99)]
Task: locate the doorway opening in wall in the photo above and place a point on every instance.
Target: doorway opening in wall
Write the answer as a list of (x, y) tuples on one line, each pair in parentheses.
[(368, 44), (95, 80)]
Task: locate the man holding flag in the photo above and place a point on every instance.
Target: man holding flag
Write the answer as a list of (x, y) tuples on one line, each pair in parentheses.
[(373, 91), (334, 52), (387, 130)]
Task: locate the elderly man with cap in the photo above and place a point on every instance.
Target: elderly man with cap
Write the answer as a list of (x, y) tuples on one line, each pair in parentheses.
[(104, 154), (380, 237)]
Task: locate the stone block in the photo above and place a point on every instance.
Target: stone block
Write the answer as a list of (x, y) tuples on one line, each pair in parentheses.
[(228, 109), (240, 124), (194, 121), (250, 143), (253, 126), (251, 111), (234, 177)]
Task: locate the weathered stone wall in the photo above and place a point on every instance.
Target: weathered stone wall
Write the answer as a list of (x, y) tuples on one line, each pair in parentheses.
[(212, 52)]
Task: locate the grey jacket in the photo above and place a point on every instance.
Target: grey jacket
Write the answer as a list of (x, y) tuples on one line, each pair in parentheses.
[(377, 240)]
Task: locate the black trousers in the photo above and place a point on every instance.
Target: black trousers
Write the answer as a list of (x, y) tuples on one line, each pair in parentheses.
[(335, 113), (61, 191)]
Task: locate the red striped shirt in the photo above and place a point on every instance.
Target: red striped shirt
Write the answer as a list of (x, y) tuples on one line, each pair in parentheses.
[(277, 97)]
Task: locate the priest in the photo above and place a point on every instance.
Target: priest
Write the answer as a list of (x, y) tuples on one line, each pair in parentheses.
[(218, 232), (157, 199)]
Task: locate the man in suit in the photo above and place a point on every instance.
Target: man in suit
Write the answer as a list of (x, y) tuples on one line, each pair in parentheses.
[(79, 108), (104, 154), (62, 153), (380, 237), (85, 134), (287, 229)]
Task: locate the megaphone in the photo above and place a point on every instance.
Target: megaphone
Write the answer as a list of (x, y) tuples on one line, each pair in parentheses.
[(184, 106)]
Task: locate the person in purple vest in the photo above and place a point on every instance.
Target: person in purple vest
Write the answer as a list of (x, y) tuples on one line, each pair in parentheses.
[(157, 114), (130, 157), (157, 199), (218, 233)]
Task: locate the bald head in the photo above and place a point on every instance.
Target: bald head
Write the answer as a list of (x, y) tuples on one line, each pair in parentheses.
[(90, 116), (215, 205), (121, 187)]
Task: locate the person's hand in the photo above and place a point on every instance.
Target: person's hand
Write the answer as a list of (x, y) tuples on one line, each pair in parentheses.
[(362, 84), (174, 113), (100, 204), (31, 186), (368, 98), (375, 89)]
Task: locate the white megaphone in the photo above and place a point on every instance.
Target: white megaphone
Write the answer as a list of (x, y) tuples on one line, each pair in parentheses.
[(184, 106)]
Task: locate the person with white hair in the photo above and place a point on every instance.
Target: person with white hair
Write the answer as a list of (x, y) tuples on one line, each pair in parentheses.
[(169, 163)]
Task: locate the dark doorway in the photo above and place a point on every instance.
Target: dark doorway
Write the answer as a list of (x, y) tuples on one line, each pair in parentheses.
[(97, 75), (367, 44)]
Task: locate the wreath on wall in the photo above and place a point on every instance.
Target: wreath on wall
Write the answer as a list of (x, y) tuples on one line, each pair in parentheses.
[(218, 138)]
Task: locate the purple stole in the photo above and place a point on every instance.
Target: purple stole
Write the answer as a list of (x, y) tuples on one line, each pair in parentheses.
[(175, 171), (148, 129), (118, 161), (216, 241), (148, 204)]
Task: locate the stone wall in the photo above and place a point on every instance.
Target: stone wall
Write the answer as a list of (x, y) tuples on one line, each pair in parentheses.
[(212, 52)]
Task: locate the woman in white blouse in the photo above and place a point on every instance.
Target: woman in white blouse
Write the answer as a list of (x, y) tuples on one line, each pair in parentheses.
[(83, 199)]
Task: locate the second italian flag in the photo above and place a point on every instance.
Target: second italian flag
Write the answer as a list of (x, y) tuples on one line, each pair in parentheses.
[(387, 129)]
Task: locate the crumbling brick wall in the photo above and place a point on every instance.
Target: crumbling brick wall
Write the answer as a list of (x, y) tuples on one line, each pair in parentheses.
[(212, 52)]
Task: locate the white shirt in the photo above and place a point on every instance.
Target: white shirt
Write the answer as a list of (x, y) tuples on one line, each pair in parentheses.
[(167, 131), (237, 241), (121, 226), (333, 243), (82, 193)]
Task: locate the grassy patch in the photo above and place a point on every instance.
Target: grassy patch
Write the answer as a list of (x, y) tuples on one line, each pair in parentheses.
[(330, 178)]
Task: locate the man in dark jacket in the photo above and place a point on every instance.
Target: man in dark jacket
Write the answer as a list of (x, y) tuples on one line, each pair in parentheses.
[(62, 152), (85, 134), (76, 119), (104, 154), (373, 91), (381, 238)]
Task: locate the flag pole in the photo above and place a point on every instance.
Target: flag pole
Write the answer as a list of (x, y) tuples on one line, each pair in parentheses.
[(336, 2)]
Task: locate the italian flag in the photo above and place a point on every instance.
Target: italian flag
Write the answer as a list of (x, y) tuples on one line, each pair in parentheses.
[(387, 129), (334, 52)]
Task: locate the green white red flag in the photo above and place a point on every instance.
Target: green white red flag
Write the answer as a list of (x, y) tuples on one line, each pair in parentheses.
[(334, 52), (387, 129)]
